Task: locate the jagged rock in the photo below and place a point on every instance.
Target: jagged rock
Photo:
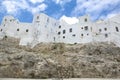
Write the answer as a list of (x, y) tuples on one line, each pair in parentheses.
[(92, 60)]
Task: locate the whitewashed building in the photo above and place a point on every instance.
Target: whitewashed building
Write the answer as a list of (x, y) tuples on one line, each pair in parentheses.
[(46, 29)]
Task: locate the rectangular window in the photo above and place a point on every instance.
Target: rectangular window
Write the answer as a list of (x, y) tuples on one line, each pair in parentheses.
[(47, 19), (17, 29), (54, 38), (73, 35), (27, 30), (86, 27), (60, 26), (1, 30), (100, 30), (63, 31), (37, 17), (63, 37), (5, 19), (117, 29), (85, 19), (58, 33), (81, 34), (106, 35), (70, 30), (105, 29)]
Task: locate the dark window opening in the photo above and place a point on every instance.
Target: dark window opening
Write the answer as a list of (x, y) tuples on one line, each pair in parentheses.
[(37, 17), (86, 27), (4, 25), (47, 19), (1, 29), (55, 24), (87, 34), (74, 35), (60, 26), (91, 28), (85, 19), (105, 29), (17, 29), (5, 19), (37, 21), (96, 33), (54, 38), (5, 36), (70, 30), (81, 27), (63, 31), (117, 29), (27, 30), (58, 33), (75, 43), (63, 37), (81, 34), (100, 30), (10, 20), (106, 35)]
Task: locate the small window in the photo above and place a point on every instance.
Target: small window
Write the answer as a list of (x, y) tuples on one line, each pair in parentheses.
[(58, 33), (27, 30), (117, 29), (106, 35), (10, 20), (87, 34), (63, 37), (4, 25), (73, 35), (86, 27), (91, 28), (54, 38), (96, 34), (47, 19), (60, 26), (5, 19), (1, 30), (81, 27), (75, 43), (105, 29), (63, 31), (85, 19), (81, 34), (55, 24), (37, 17), (17, 29), (70, 30), (100, 30)]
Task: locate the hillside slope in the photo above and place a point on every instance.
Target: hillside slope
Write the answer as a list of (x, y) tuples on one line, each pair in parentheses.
[(49, 60)]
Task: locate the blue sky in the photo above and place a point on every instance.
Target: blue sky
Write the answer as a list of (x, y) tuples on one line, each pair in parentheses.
[(25, 9)]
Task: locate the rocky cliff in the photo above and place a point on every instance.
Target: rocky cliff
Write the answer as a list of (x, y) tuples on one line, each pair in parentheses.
[(50, 60)]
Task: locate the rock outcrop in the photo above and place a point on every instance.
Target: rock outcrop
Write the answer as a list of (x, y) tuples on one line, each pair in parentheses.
[(50, 60)]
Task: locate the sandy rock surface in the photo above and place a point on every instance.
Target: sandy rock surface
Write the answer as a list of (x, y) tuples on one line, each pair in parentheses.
[(93, 60)]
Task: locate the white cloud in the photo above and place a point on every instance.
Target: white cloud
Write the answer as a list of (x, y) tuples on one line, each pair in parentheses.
[(97, 8), (10, 6), (36, 1), (39, 8), (69, 20), (14, 7), (62, 2)]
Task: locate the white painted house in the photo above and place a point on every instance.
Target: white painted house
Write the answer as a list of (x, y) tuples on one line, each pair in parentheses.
[(46, 29)]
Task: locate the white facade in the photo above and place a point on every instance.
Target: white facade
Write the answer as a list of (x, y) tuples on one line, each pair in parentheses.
[(46, 29)]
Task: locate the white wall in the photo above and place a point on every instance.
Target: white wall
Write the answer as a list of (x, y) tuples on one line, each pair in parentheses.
[(46, 29)]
